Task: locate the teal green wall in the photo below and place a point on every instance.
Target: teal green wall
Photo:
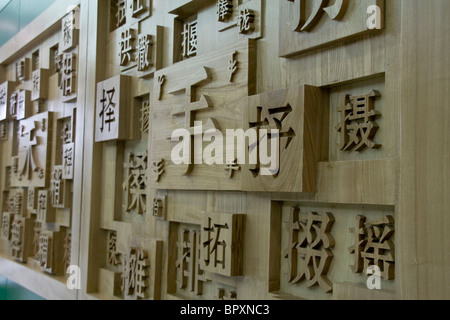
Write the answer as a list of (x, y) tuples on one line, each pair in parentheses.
[(16, 14), (12, 291)]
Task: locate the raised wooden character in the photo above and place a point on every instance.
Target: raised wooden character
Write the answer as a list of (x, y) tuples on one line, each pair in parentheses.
[(23, 67), (113, 116), (70, 30), (198, 91), (222, 243), (286, 126), (40, 78), (45, 210), (21, 237), (6, 89), (34, 148)]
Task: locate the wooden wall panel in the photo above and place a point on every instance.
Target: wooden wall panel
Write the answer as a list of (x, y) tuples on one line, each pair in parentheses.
[(359, 105)]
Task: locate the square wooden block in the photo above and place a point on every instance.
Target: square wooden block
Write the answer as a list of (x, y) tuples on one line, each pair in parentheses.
[(307, 25), (39, 80), (114, 114), (45, 210), (33, 153), (294, 112), (222, 241), (70, 30), (6, 89)]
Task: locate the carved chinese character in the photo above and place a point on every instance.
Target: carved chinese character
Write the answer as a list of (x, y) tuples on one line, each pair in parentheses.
[(23, 105), (159, 206), (190, 272), (189, 110), (272, 118), (19, 208), (126, 46), (58, 60), (224, 9), (67, 167), (113, 121), (232, 65), (244, 15), (246, 21), (285, 130), (59, 189), (21, 69), (17, 238), (374, 246), (5, 91), (143, 55), (42, 205), (309, 249), (7, 219), (135, 274), (231, 167), (45, 210), (137, 7), (161, 81), (107, 113), (66, 133), (67, 83), (45, 252), (189, 39), (31, 199), (121, 14), (3, 131), (158, 170), (357, 125), (135, 185), (113, 255), (69, 31), (13, 104), (67, 250), (56, 187), (36, 84), (335, 12), (30, 164), (145, 116), (39, 85), (37, 235), (33, 137), (222, 237)]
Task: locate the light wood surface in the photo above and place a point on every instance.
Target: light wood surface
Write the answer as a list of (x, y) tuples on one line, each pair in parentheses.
[(363, 153)]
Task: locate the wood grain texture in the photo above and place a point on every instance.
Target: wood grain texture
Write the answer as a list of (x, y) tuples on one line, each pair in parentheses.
[(295, 80)]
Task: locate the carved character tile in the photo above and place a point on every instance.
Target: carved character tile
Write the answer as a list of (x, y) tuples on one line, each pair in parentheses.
[(222, 243), (6, 89), (112, 116), (284, 156), (34, 148), (70, 30), (309, 249), (40, 79)]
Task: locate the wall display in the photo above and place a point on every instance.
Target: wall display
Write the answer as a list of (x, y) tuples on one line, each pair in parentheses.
[(227, 150), (39, 134)]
